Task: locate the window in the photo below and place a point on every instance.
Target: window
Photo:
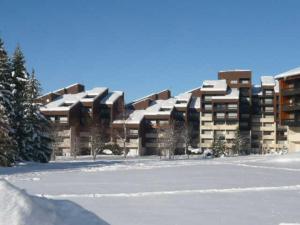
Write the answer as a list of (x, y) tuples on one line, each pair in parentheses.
[(220, 115), (269, 101), (207, 106), (245, 116), (133, 131), (268, 124), (244, 81), (233, 81), (232, 115), (163, 122), (232, 106), (220, 123), (269, 92), (208, 132), (206, 123), (220, 106), (269, 109), (63, 119), (207, 98)]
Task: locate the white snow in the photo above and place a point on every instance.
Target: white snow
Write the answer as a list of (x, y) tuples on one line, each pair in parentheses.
[(72, 99), (195, 103), (214, 85), (19, 208), (267, 81), (289, 73), (233, 93), (239, 190), (111, 97)]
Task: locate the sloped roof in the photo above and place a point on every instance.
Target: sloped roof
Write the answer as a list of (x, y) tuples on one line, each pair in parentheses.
[(289, 73)]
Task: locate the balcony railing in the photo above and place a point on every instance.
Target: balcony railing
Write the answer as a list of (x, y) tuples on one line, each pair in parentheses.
[(291, 122), (291, 91), (291, 107)]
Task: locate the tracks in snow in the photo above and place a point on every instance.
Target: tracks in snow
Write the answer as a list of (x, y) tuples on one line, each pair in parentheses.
[(179, 192)]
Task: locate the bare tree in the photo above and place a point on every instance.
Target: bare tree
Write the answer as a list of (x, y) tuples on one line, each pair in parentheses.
[(186, 136), (98, 140), (121, 134), (168, 138), (56, 140)]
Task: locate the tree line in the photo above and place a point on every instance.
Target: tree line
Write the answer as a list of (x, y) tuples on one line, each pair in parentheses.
[(23, 129)]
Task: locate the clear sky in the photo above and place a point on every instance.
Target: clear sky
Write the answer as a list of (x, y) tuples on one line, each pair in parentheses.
[(141, 46)]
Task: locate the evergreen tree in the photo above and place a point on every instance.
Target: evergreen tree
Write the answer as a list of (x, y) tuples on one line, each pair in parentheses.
[(37, 143), (7, 153), (218, 146), (20, 80), (238, 143)]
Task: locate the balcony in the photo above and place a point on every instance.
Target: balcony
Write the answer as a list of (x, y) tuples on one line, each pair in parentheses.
[(290, 91), (291, 122), (232, 117), (267, 102), (291, 107), (220, 108)]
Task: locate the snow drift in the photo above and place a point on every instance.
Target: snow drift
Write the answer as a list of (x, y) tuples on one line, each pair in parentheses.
[(19, 208)]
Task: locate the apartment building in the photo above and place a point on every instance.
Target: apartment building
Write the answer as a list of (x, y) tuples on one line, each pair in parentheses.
[(147, 116), (289, 106), (268, 115), (267, 134), (219, 112), (74, 113)]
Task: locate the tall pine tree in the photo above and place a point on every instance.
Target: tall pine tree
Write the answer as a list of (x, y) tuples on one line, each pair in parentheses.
[(7, 145), (37, 142), (20, 80)]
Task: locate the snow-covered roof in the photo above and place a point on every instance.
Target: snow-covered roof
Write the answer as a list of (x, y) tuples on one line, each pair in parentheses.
[(91, 94), (195, 103), (148, 96), (161, 107), (289, 73), (194, 89), (67, 101), (183, 99), (214, 85), (232, 93), (135, 117), (111, 97), (235, 70), (267, 81)]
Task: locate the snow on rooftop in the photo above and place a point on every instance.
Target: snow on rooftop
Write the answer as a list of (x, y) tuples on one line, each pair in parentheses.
[(161, 107), (267, 81), (194, 89), (135, 117), (183, 99), (71, 85), (66, 101), (111, 97), (235, 70), (184, 96), (214, 85), (232, 93), (148, 96), (289, 73)]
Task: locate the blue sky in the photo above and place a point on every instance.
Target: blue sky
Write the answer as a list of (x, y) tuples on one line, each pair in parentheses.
[(129, 45)]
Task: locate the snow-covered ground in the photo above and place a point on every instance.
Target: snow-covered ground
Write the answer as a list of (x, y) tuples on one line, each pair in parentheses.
[(237, 191)]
